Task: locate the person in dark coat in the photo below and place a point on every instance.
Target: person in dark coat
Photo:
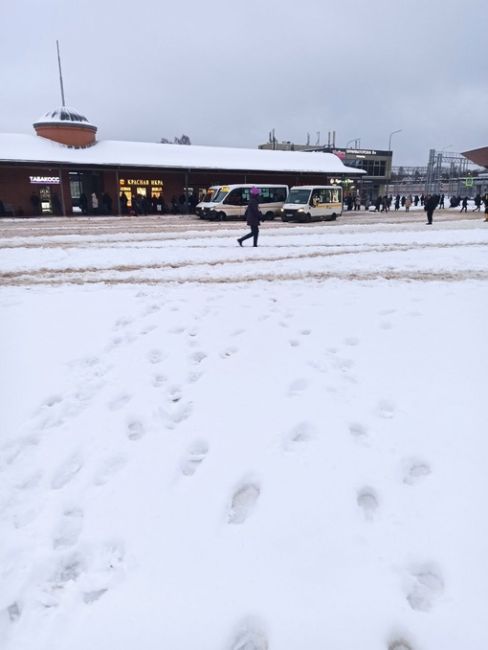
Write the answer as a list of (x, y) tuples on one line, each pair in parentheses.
[(107, 203), (36, 204), (253, 217), (123, 202), (464, 207), (430, 204), (83, 203)]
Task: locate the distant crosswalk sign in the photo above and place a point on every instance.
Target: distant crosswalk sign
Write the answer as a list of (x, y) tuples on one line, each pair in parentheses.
[(468, 182)]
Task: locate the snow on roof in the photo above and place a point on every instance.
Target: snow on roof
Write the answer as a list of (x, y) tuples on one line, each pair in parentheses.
[(63, 115), (17, 147)]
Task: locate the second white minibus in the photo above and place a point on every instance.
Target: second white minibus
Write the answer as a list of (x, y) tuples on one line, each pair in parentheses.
[(313, 203)]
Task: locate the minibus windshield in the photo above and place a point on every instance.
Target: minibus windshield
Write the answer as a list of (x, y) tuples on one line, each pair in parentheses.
[(221, 194), (299, 197), (210, 195)]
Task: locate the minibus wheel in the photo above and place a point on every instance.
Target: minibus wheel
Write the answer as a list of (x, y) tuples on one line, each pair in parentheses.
[(308, 217), (221, 216), (269, 215)]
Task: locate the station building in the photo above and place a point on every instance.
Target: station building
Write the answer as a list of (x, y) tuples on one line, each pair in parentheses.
[(63, 165)]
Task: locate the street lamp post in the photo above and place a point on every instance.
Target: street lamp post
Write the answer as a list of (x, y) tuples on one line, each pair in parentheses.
[(389, 149), (391, 135)]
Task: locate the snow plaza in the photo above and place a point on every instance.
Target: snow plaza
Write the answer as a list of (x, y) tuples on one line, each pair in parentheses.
[(207, 447)]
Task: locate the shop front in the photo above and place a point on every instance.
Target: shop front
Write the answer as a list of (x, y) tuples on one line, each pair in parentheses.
[(141, 195)]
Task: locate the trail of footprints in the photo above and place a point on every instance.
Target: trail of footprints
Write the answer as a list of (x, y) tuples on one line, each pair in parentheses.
[(425, 583)]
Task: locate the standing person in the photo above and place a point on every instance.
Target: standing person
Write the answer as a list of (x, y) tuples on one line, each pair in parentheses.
[(477, 203), (430, 204), (408, 203), (422, 200), (123, 202), (485, 201), (83, 203), (36, 203), (397, 203), (464, 207), (94, 202), (416, 200), (357, 203), (253, 217), (441, 202)]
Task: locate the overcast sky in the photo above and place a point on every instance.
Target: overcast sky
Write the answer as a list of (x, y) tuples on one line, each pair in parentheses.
[(227, 72)]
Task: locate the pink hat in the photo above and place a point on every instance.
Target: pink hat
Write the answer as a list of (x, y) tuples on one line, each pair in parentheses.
[(255, 190)]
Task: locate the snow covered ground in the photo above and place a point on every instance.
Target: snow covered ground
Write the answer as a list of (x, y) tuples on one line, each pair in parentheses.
[(212, 448)]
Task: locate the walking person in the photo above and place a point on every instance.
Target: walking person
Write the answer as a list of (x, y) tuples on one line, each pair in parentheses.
[(485, 201), (430, 204), (464, 206), (253, 217), (477, 203)]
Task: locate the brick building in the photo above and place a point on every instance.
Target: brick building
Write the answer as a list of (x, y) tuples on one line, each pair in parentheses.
[(63, 166)]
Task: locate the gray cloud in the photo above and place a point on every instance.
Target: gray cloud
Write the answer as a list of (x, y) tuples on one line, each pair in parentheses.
[(227, 72)]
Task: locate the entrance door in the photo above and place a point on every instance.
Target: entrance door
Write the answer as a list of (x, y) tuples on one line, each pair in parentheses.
[(46, 200)]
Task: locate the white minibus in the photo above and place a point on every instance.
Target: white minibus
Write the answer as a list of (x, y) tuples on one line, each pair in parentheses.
[(202, 207), (231, 201), (313, 203)]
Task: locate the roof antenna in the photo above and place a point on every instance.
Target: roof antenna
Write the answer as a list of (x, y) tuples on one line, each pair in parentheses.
[(60, 76)]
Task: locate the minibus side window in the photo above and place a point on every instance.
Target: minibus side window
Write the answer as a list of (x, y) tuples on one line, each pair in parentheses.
[(315, 198), (234, 197)]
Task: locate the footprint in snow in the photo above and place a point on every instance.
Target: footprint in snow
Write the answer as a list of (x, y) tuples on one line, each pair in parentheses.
[(155, 356), (108, 468), (194, 457), (399, 644), (92, 596), (121, 323), (135, 430), (198, 356), (67, 471), (300, 433), (305, 332), (426, 585), (176, 330), (385, 409), (243, 503), (228, 352), (14, 611), (294, 343), (69, 528), (368, 502), (52, 400), (159, 380), (351, 340), (414, 471), (30, 481), (358, 430), (249, 635), (119, 401), (176, 414), (298, 386), (151, 309), (148, 329), (386, 325)]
